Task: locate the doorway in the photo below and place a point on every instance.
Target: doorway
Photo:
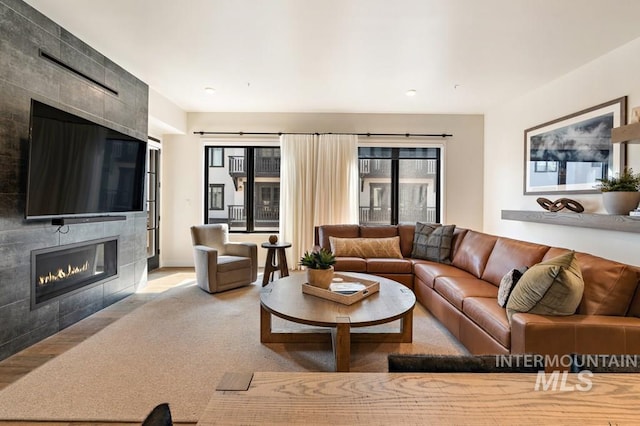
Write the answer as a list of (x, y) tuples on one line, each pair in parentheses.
[(153, 205)]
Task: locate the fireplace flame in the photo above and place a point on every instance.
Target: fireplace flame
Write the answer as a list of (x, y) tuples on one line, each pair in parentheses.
[(63, 274)]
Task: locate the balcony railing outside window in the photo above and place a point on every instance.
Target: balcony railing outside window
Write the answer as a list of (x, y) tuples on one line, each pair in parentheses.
[(399, 185), (265, 217), (382, 216), (251, 182)]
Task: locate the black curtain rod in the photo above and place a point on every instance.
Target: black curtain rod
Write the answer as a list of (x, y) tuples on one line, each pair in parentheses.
[(408, 135)]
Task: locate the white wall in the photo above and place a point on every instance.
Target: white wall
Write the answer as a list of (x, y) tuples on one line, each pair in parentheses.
[(183, 164), (611, 76), (164, 116)]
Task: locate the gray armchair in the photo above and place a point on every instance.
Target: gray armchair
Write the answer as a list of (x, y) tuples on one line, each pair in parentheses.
[(222, 265)]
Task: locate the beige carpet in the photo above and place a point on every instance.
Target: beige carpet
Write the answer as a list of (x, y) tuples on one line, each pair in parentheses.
[(175, 349)]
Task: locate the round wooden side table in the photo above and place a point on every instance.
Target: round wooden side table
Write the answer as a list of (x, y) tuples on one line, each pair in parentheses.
[(275, 251)]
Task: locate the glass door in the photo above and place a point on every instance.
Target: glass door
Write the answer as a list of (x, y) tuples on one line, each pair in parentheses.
[(153, 210)]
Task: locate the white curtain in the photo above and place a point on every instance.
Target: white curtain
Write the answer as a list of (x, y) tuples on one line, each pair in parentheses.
[(336, 196), (318, 186), (297, 186)]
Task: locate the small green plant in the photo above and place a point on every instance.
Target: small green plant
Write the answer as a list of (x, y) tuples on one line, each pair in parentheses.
[(626, 181), (318, 259)]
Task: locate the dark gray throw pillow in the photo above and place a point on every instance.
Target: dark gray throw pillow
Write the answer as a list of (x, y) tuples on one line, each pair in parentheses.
[(432, 241), (508, 283)]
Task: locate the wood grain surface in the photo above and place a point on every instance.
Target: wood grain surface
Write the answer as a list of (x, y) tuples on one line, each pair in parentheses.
[(424, 398), (285, 299)]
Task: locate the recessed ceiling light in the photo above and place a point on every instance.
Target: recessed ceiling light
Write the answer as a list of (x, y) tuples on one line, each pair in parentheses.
[(210, 90), (411, 92)]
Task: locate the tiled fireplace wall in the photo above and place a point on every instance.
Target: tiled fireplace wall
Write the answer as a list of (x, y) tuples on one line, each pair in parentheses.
[(24, 75)]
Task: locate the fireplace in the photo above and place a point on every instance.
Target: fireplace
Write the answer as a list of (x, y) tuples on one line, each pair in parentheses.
[(64, 270)]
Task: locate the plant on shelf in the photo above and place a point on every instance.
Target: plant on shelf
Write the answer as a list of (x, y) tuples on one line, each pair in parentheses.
[(620, 193), (318, 258), (319, 263), (626, 181)]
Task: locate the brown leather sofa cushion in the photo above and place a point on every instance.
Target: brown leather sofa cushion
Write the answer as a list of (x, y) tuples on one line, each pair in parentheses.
[(486, 313), (383, 231), (389, 266), (457, 289), (473, 252), (406, 231), (350, 264), (584, 334), (428, 271), (508, 254), (608, 286), (634, 307), (341, 231)]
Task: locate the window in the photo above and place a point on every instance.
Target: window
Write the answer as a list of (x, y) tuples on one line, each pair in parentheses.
[(252, 179), (216, 157), (216, 196), (399, 185)]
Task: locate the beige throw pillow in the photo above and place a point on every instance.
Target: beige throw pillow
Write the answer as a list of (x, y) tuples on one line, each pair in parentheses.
[(366, 247), (553, 287)]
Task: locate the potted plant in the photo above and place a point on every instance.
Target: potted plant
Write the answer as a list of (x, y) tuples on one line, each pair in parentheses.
[(620, 193), (319, 263)]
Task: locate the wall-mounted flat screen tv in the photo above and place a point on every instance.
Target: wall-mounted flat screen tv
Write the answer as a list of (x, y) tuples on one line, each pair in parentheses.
[(80, 168)]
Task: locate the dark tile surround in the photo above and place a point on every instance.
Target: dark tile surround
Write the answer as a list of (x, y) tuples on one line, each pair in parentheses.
[(24, 75)]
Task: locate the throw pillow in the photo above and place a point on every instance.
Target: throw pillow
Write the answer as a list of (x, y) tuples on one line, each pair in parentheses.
[(366, 247), (508, 283), (553, 287), (432, 241)]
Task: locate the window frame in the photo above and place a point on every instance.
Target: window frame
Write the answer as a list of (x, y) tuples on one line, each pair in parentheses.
[(394, 179), (220, 186), (212, 156), (249, 146)]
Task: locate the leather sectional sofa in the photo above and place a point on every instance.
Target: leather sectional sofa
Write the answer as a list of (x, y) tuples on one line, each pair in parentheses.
[(463, 295)]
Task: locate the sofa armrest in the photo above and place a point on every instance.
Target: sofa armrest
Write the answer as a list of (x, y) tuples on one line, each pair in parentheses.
[(582, 334), (249, 250), (206, 264), (241, 249)]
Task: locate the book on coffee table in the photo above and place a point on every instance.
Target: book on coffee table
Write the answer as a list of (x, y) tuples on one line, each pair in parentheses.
[(347, 287)]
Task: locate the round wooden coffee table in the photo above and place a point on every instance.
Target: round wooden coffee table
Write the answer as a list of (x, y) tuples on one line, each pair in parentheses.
[(285, 299)]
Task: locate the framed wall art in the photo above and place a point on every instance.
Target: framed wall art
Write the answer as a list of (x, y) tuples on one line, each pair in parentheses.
[(570, 154)]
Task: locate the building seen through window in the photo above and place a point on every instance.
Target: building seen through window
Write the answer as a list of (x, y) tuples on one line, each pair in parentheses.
[(399, 185), (243, 187)]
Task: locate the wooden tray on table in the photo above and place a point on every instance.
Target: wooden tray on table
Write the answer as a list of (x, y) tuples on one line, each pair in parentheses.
[(346, 297)]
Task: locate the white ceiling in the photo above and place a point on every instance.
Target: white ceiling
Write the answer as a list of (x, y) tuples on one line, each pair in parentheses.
[(461, 56)]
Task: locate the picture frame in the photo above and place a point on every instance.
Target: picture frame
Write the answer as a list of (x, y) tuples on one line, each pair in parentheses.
[(568, 155)]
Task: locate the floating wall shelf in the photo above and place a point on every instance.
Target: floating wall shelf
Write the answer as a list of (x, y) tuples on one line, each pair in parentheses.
[(583, 220), (629, 133)]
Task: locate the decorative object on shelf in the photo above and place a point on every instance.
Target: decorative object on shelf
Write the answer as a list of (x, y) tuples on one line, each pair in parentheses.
[(635, 115), (620, 194), (559, 204), (551, 146), (273, 239), (319, 263)]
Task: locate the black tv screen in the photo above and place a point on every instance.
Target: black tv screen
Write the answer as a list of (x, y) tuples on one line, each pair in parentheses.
[(81, 168)]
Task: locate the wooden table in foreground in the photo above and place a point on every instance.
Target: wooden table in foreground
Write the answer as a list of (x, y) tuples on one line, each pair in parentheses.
[(285, 299), (423, 399)]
